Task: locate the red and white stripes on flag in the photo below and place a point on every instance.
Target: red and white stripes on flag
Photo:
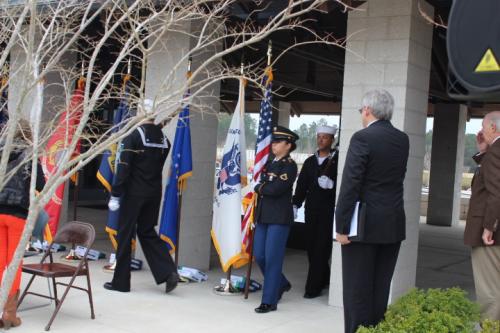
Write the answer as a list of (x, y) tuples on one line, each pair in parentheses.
[(262, 149)]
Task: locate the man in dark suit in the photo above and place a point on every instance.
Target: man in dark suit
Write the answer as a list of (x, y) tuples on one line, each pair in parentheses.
[(481, 229), (373, 175)]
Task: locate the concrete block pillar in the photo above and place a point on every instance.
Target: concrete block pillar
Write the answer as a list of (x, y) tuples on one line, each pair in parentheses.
[(22, 93), (389, 47), (447, 158), (196, 221), (55, 96), (284, 113)]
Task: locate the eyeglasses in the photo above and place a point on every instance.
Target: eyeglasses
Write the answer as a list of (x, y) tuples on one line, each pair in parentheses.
[(361, 109)]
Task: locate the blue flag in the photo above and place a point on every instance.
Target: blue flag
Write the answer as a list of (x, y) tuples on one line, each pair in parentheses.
[(106, 171), (180, 169)]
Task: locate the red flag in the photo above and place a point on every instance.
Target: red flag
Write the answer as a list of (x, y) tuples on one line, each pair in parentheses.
[(57, 147)]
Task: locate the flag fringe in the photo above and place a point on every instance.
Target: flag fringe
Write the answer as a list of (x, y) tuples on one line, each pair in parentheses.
[(237, 261)]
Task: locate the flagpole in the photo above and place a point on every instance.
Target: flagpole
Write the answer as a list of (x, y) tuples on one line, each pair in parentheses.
[(179, 209), (252, 231), (77, 174), (227, 289), (75, 194), (180, 192), (249, 268)]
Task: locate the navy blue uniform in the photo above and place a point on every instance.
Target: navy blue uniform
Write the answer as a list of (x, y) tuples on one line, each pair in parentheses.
[(319, 209), (274, 216), (138, 184)]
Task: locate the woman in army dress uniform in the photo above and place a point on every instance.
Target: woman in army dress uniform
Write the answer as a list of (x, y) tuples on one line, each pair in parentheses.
[(274, 217)]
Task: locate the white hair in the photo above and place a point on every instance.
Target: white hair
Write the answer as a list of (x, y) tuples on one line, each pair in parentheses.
[(494, 117), (381, 102)]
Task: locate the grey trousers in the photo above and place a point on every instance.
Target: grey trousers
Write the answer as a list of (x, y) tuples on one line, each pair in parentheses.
[(486, 269)]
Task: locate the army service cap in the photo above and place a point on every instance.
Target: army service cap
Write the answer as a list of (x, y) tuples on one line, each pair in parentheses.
[(281, 133)]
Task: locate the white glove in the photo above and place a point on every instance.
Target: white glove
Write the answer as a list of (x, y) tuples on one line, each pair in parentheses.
[(253, 184), (295, 209), (114, 204), (325, 183)]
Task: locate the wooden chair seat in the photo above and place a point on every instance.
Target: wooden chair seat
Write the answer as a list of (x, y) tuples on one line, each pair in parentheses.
[(51, 270)]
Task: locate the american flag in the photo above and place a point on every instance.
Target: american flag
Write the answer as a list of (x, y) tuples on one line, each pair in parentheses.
[(262, 149)]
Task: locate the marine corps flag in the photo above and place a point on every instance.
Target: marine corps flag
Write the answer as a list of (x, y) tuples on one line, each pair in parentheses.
[(56, 150), (226, 224), (106, 172)]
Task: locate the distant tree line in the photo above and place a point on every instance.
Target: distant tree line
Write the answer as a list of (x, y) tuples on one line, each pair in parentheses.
[(250, 129), (469, 150), (306, 132)]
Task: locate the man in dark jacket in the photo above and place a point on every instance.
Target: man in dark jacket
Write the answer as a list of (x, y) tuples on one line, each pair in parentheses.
[(482, 226), (373, 176), (316, 185), (137, 190)]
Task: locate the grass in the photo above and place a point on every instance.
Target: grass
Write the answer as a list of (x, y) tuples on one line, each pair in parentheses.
[(466, 179)]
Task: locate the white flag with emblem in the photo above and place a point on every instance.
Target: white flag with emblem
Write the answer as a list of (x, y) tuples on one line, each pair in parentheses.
[(226, 224)]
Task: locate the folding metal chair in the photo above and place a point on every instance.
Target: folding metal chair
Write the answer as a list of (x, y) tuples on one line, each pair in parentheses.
[(76, 233)]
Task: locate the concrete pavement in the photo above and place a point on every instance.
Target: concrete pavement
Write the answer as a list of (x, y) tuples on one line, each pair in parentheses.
[(442, 262)]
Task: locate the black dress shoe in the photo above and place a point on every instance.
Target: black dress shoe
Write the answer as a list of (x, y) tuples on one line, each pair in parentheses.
[(312, 295), (171, 282), (109, 286), (287, 287), (264, 308)]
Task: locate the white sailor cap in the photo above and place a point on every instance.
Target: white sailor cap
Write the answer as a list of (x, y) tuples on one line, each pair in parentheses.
[(147, 106), (332, 130)]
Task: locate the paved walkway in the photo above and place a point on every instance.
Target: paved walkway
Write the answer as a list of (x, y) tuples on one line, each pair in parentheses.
[(443, 262)]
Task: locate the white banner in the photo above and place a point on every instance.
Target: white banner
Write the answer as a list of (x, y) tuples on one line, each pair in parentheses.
[(227, 210)]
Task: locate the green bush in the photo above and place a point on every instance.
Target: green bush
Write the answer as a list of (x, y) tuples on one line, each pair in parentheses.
[(431, 311), (467, 180), (490, 326)]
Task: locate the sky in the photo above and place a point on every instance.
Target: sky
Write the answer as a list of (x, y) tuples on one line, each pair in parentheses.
[(471, 127)]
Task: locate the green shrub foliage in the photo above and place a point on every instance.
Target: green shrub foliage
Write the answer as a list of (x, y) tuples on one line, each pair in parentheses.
[(431, 311), (490, 326)]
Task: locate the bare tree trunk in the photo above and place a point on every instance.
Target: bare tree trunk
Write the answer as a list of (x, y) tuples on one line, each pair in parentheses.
[(46, 32)]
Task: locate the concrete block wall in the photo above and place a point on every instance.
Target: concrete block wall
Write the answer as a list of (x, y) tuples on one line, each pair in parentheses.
[(196, 221), (389, 47), (55, 98)]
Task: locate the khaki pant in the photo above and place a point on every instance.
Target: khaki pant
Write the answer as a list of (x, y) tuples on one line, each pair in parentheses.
[(486, 268)]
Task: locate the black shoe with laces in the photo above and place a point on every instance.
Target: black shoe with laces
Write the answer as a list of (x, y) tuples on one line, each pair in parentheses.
[(109, 286), (264, 308)]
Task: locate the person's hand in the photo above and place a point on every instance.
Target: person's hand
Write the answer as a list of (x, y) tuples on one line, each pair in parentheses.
[(488, 237), (295, 209), (255, 185), (114, 204), (342, 239), (325, 183), (481, 142)]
